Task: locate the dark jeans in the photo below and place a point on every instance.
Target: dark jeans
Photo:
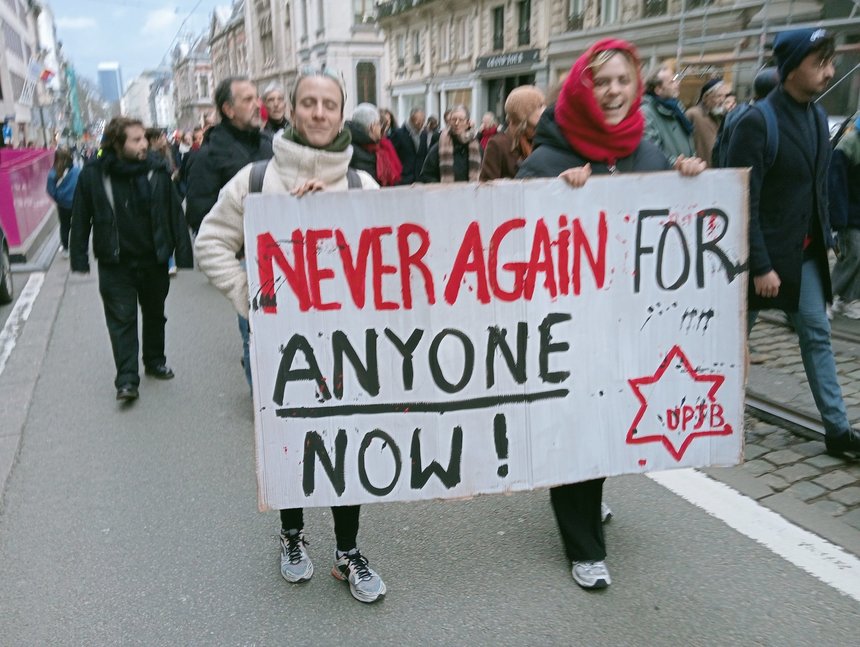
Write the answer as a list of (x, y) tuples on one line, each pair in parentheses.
[(65, 225), (345, 524), (122, 287), (577, 511)]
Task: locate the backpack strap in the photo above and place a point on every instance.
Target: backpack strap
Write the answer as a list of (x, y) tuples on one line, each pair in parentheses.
[(353, 179), (258, 173), (771, 132)]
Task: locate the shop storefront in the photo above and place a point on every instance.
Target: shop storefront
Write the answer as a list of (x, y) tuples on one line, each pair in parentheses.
[(500, 73)]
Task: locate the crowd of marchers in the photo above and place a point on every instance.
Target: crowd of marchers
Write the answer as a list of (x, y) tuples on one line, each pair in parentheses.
[(143, 200)]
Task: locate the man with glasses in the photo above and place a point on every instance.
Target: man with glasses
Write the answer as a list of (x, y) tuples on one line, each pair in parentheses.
[(789, 229), (313, 154), (457, 155), (665, 122)]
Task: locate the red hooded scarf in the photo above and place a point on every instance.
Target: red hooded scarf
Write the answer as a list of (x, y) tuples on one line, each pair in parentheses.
[(581, 120)]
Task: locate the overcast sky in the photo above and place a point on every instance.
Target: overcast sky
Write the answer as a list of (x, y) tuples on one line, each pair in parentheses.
[(135, 33)]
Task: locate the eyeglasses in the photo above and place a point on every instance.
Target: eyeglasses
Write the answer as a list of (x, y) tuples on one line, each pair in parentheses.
[(456, 120)]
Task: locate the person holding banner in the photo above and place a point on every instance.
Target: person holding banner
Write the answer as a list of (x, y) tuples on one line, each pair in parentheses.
[(595, 126), (315, 143)]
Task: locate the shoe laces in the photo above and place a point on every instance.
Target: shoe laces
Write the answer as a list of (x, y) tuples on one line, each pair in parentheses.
[(358, 563), (593, 568), (293, 545)]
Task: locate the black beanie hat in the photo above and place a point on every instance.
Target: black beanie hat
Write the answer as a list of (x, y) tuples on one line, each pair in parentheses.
[(709, 85), (791, 47)]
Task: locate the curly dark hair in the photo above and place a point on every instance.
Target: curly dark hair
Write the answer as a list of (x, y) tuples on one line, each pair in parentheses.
[(115, 132)]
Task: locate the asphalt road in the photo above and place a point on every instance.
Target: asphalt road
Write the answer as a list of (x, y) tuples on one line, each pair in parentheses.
[(138, 525)]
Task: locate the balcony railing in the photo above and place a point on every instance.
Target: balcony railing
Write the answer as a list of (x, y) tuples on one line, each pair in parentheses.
[(387, 8)]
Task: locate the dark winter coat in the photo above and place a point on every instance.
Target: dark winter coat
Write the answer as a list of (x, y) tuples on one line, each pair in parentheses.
[(844, 190), (499, 160), (786, 201), (362, 159), (553, 154), (92, 211), (411, 158), (225, 150)]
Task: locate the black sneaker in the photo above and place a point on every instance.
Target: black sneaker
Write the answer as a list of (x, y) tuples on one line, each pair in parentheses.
[(847, 443), (127, 393), (160, 372)]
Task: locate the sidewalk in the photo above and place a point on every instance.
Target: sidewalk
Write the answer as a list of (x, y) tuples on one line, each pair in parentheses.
[(788, 472)]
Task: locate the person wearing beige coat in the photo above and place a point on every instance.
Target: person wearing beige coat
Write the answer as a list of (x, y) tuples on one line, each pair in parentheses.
[(311, 155)]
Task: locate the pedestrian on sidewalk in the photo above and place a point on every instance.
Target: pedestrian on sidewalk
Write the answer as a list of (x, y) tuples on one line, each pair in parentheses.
[(226, 148), (62, 181), (372, 151), (707, 116), (789, 228), (160, 147), (128, 201), (844, 187), (311, 155), (276, 108), (457, 155), (665, 122), (595, 126)]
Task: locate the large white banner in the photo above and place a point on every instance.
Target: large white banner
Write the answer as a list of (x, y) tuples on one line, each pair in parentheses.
[(446, 341)]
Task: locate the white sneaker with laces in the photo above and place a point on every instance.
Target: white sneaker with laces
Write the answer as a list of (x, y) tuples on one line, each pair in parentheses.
[(365, 585), (296, 565), (591, 575)]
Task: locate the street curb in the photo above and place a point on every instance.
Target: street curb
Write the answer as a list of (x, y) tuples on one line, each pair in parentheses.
[(19, 378), (792, 509)]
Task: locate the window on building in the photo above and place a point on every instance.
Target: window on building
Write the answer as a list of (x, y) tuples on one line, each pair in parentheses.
[(362, 11), (498, 28), (444, 41), (575, 14), (320, 16), (304, 20), (698, 4), (401, 50), (608, 11), (655, 8), (365, 82), (524, 21), (463, 34), (416, 47), (14, 43), (202, 86)]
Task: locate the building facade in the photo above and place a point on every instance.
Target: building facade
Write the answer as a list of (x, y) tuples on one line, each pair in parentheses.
[(227, 45), (285, 36), (440, 53), (193, 82), (110, 81), (18, 78)]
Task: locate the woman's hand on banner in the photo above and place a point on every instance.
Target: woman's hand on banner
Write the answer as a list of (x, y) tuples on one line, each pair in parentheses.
[(576, 176)]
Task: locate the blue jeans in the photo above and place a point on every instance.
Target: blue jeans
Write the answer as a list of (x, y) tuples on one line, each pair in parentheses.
[(813, 334), (245, 331)]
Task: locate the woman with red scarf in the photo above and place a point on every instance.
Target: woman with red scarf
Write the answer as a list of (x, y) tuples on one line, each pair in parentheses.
[(594, 127), (372, 151)]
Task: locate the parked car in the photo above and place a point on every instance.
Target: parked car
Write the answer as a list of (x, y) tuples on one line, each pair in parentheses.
[(6, 290)]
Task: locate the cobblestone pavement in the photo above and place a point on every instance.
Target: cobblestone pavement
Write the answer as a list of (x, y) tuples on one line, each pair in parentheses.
[(789, 470)]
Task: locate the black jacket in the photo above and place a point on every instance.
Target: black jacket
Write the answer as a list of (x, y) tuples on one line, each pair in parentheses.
[(92, 210), (844, 190), (362, 159), (784, 198), (411, 158), (553, 154), (225, 150)]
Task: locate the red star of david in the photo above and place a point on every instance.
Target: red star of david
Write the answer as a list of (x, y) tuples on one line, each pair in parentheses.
[(634, 435)]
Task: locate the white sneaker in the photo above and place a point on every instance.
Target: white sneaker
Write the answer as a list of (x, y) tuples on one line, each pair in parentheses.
[(851, 309), (65, 253), (365, 585), (171, 271), (591, 575), (605, 513), (296, 565)]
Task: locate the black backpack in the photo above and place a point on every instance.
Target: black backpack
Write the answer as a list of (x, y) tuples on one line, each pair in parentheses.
[(258, 172)]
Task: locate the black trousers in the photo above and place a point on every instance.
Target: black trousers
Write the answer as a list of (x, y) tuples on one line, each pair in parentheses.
[(65, 225), (122, 287), (345, 524), (577, 511)]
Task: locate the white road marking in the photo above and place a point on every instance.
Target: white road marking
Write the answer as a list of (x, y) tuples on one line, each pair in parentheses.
[(817, 556), (19, 314)]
